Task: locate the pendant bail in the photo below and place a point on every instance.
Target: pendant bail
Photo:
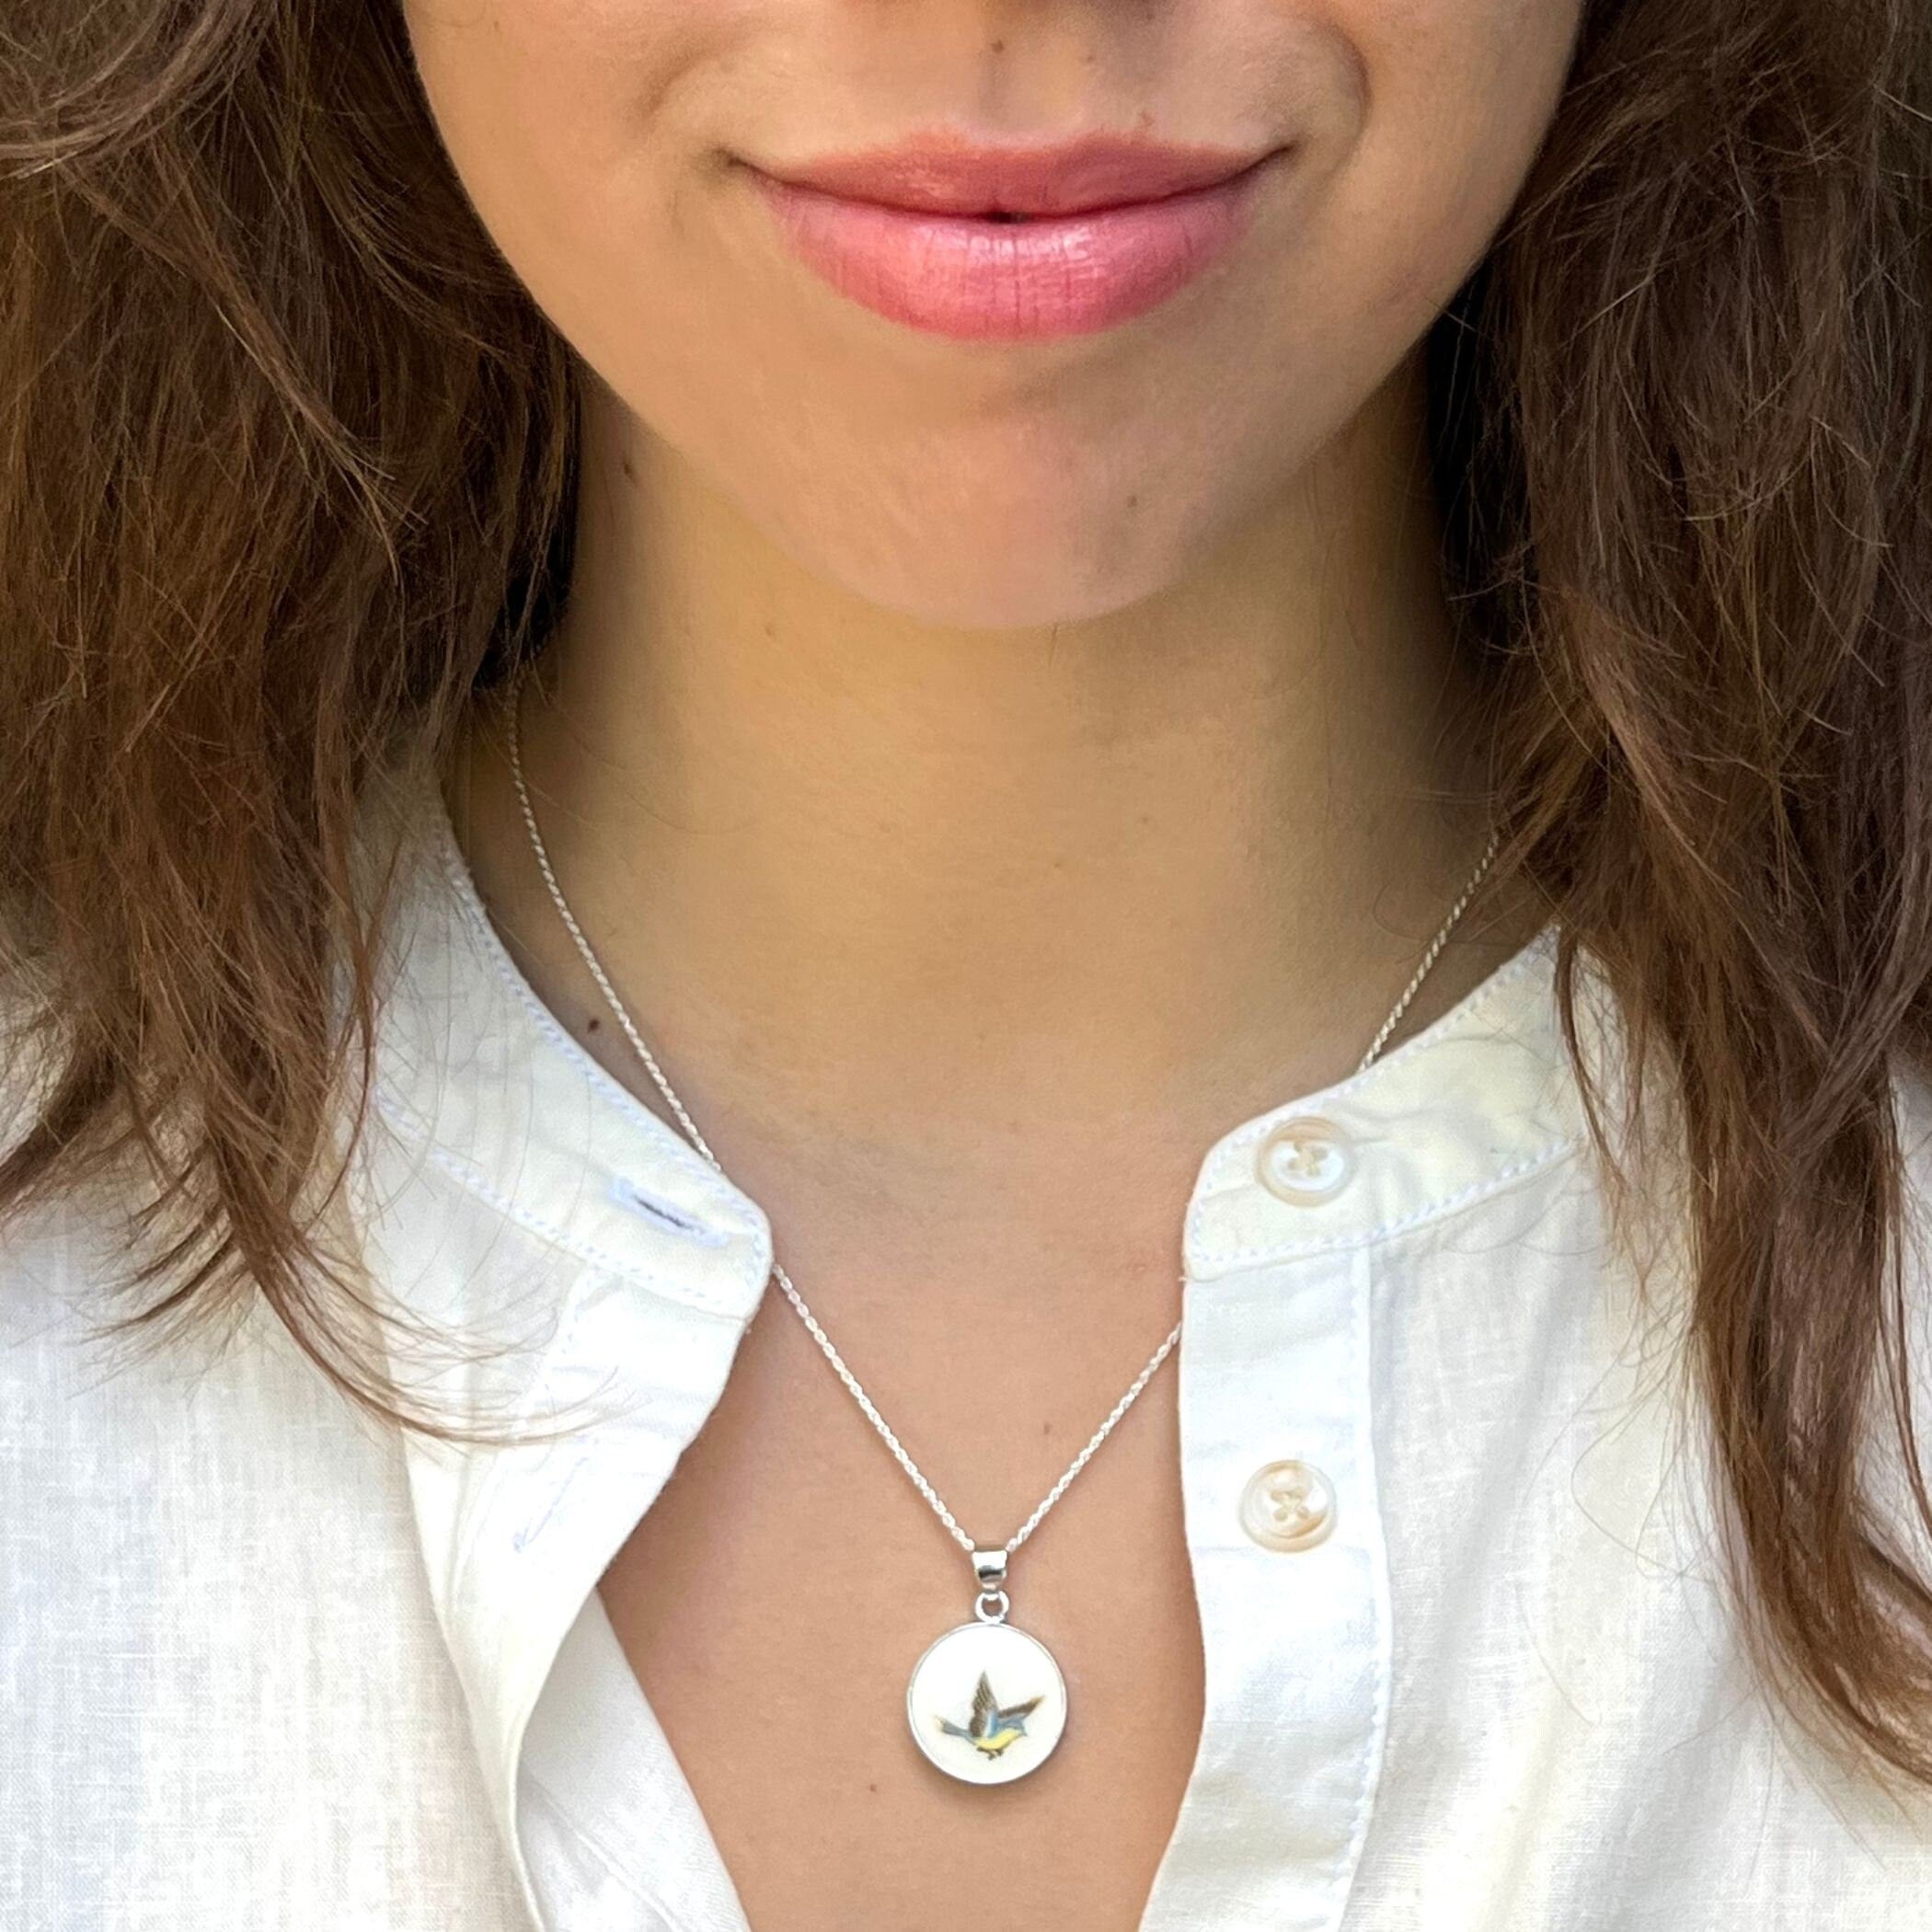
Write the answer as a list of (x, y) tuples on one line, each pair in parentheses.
[(990, 1566), (993, 1602)]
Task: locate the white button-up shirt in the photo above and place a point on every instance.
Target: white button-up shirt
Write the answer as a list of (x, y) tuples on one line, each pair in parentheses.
[(1468, 1660)]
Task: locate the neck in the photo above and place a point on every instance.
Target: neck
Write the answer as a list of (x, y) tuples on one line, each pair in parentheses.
[(868, 883)]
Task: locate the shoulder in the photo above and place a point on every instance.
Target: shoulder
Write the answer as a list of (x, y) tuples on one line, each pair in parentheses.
[(71, 1256), (92, 1404), (212, 1600)]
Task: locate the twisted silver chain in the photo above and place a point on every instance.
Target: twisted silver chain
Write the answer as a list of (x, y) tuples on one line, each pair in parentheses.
[(778, 1274)]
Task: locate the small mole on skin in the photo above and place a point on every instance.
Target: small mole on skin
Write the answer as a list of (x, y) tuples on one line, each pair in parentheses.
[(1046, 1429), (595, 1024), (999, 47), (628, 471)]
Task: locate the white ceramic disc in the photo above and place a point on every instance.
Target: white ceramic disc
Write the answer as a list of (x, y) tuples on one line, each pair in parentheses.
[(986, 1703)]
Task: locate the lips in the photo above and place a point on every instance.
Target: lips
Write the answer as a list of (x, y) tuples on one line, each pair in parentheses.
[(940, 175), (1014, 244)]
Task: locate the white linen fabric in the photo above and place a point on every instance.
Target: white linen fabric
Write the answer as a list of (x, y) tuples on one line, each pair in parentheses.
[(265, 1665)]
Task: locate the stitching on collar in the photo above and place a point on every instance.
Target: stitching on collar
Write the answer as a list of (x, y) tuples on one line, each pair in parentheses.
[(473, 1180)]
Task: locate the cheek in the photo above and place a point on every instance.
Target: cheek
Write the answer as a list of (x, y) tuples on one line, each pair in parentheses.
[(1460, 94), (562, 118), (584, 134)]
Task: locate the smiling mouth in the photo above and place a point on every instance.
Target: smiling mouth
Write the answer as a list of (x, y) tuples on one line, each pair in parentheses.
[(1016, 244)]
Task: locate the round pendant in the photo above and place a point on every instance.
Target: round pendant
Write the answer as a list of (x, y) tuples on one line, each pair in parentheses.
[(986, 1703)]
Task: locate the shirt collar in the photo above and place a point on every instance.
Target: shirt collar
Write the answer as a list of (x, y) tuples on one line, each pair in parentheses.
[(1483, 1094), (586, 1259), (473, 1067)]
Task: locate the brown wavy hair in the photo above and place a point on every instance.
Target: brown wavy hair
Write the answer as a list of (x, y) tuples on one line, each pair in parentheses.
[(287, 471)]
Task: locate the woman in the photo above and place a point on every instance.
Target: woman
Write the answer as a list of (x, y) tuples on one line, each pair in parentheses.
[(1209, 718)]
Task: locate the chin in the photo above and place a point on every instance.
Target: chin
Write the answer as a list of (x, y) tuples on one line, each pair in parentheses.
[(997, 569)]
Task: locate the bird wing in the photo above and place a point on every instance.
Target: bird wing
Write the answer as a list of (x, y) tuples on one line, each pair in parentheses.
[(1008, 1712), (986, 1706)]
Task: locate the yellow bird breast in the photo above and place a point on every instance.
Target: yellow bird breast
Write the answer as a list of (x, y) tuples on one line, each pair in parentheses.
[(999, 1741)]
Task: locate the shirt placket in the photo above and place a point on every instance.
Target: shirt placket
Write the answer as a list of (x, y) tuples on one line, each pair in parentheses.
[(1284, 1534)]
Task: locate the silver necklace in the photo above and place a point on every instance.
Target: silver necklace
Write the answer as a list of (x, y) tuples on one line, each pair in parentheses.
[(986, 1702)]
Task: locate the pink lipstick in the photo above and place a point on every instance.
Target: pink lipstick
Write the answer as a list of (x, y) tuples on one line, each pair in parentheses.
[(1014, 244)]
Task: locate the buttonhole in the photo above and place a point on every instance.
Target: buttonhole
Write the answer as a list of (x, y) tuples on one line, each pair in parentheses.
[(639, 1201)]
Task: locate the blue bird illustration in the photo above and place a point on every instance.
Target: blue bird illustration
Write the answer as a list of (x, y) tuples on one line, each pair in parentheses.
[(993, 1725)]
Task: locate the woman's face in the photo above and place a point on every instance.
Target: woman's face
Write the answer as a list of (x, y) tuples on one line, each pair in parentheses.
[(981, 421)]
